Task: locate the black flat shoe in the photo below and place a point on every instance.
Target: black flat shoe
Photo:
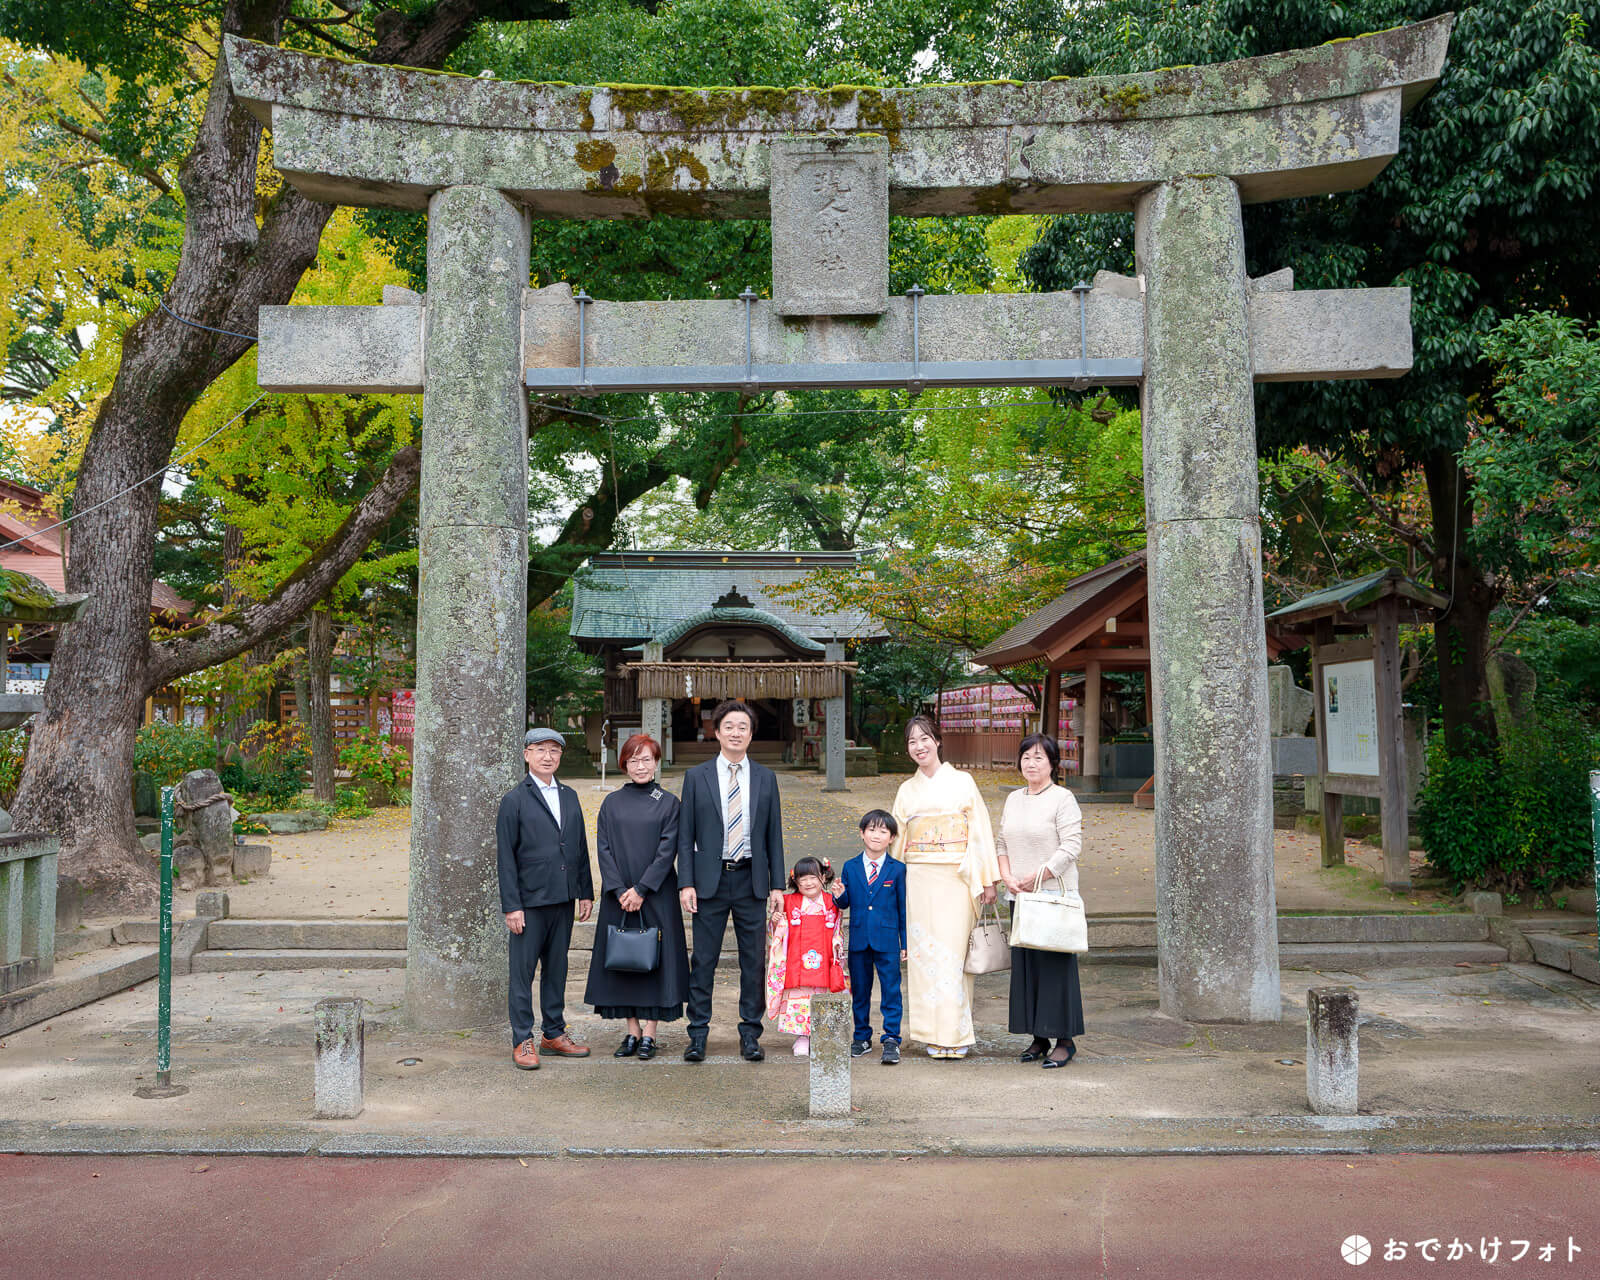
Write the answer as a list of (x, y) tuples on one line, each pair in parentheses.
[(647, 1049), (751, 1050), (627, 1048), (1035, 1051), (1051, 1062), (696, 1052)]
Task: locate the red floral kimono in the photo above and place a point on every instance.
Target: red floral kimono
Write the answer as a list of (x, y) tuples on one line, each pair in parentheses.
[(802, 959)]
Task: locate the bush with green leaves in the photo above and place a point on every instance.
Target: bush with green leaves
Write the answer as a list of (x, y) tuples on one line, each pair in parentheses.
[(371, 756), (273, 765), (168, 751), (1515, 819), (350, 803), (13, 751)]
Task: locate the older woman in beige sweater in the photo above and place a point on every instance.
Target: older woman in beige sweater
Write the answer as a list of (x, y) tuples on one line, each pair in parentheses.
[(1040, 835)]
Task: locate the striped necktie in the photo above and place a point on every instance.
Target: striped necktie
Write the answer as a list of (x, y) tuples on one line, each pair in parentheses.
[(735, 812), (872, 873)]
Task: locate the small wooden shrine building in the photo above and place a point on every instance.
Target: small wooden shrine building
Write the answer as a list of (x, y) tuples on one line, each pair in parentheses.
[(1100, 623), (679, 631)]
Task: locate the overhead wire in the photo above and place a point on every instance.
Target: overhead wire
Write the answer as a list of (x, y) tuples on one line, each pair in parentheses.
[(154, 475)]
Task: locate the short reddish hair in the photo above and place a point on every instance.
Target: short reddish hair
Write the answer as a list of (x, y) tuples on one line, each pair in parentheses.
[(634, 745)]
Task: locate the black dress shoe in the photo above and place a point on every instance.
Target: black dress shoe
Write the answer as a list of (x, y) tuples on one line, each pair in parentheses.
[(696, 1052), (627, 1048), (1051, 1062), (891, 1053), (750, 1048), (1035, 1051), (860, 1047), (647, 1049)]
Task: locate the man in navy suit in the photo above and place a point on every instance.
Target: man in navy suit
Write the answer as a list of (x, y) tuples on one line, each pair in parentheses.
[(873, 889), (730, 862), (543, 856)]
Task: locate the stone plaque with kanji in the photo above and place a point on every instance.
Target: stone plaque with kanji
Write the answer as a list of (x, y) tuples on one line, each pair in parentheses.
[(830, 226)]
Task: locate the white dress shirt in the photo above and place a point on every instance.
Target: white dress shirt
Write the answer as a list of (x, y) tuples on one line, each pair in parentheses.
[(551, 796), (724, 780), (873, 865)]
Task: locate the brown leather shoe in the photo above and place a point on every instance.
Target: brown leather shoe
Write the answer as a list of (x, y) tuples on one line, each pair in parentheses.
[(524, 1058), (563, 1046)]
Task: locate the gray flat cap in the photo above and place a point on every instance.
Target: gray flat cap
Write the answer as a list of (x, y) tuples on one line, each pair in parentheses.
[(543, 735)]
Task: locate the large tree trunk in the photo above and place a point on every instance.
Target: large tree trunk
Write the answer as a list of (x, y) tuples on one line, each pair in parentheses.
[(317, 709), (1461, 634), (78, 777)]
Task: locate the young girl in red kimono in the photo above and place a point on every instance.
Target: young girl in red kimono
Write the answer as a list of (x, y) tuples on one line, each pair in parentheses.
[(805, 950)]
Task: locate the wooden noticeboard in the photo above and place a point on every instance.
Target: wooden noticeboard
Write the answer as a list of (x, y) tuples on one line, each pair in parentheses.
[(1360, 736)]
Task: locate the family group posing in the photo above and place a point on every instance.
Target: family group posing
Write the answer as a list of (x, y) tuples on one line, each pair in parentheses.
[(913, 894)]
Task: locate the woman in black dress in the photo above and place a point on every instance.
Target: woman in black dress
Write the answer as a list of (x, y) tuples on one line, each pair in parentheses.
[(636, 845)]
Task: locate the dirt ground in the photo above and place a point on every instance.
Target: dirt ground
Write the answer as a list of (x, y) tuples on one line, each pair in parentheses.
[(361, 868)]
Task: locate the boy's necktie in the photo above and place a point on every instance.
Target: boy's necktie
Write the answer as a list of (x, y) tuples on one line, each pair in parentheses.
[(872, 873), (735, 810)]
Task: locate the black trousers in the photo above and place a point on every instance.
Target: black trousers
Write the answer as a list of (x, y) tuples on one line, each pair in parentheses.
[(734, 897), (544, 940)]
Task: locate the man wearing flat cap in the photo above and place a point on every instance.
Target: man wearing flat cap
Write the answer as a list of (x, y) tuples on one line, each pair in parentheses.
[(544, 869)]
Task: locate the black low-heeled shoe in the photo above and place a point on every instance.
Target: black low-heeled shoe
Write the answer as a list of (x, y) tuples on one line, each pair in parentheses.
[(1072, 1052), (647, 1049), (628, 1047), (1035, 1051)]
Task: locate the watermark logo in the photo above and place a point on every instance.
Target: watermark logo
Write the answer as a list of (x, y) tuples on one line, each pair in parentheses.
[(1356, 1250)]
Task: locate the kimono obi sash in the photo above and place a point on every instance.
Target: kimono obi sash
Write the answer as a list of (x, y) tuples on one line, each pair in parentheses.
[(935, 837), (811, 962)]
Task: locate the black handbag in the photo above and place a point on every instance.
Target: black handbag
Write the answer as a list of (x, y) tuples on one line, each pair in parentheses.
[(633, 950)]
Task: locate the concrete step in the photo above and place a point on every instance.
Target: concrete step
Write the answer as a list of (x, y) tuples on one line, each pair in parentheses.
[(77, 983), (1348, 957), (275, 958), (1140, 931), (240, 933), (1571, 954)]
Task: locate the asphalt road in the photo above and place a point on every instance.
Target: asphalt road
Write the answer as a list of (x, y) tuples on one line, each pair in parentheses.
[(1234, 1216)]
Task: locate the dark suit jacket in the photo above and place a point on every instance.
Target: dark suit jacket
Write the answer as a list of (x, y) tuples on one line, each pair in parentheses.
[(878, 911), (700, 829), (540, 865)]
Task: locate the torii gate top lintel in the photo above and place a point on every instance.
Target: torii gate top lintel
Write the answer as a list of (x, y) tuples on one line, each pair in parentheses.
[(1303, 122)]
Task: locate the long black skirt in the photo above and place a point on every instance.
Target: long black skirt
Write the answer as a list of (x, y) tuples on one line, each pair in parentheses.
[(1045, 998), (651, 997)]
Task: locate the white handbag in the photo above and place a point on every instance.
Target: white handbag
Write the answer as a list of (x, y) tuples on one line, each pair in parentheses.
[(1049, 919), (987, 948)]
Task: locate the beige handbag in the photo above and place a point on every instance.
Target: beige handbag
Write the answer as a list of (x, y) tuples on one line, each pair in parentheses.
[(987, 948), (1049, 919)]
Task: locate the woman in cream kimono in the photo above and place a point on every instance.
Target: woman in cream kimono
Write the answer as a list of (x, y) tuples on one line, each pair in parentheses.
[(947, 845)]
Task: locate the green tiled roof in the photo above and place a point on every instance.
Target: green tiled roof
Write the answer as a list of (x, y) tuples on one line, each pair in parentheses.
[(639, 596), (1357, 593), (758, 617)]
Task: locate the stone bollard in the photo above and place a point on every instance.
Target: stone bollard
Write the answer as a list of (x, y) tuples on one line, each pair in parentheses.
[(340, 1058), (1332, 1058), (832, 1021), (211, 905), (1486, 904)]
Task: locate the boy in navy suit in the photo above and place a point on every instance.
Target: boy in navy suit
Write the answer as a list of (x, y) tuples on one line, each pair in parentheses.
[(873, 888)]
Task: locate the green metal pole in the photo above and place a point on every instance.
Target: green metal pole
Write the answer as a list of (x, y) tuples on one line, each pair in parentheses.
[(164, 975)]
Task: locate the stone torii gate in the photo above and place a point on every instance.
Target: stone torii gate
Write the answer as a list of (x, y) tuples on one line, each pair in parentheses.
[(1183, 148)]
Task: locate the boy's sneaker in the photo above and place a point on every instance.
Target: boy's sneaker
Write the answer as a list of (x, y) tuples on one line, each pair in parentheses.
[(859, 1047), (891, 1052)]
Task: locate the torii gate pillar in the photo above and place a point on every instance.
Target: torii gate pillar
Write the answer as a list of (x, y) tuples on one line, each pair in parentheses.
[(472, 540), (1216, 912)]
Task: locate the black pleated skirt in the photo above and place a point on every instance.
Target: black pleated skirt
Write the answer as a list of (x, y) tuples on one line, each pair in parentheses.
[(1045, 997)]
